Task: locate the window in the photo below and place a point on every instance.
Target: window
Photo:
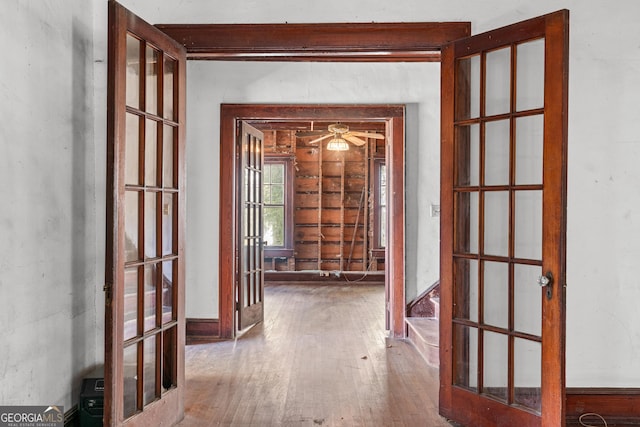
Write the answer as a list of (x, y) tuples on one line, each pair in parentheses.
[(277, 210), (380, 205)]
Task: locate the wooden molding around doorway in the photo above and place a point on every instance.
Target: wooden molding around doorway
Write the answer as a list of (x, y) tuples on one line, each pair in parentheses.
[(333, 42), (392, 116)]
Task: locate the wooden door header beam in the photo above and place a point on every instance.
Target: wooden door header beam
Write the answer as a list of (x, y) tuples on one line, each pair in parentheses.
[(356, 42)]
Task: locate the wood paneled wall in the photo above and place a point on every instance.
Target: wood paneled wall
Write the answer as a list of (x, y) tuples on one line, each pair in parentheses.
[(334, 206)]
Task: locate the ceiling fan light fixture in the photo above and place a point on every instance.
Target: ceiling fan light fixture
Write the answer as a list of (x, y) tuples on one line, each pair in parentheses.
[(337, 144)]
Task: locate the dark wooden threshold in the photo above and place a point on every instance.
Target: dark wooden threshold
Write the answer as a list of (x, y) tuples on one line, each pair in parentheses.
[(201, 331), (618, 406), (326, 277)]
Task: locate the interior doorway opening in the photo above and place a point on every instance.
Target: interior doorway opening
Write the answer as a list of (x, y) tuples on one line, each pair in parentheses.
[(385, 120)]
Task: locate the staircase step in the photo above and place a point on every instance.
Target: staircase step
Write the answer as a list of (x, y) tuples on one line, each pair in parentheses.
[(424, 334), (435, 303)]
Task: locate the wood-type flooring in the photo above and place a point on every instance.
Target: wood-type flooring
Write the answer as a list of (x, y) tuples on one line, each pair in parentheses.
[(320, 358)]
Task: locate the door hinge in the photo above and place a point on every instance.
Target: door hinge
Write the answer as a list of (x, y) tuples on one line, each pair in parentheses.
[(107, 288)]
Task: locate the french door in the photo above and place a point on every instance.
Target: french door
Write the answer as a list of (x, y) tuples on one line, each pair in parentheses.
[(144, 319), (503, 201), (250, 277)]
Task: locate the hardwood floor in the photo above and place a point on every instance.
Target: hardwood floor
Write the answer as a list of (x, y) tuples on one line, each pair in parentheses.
[(320, 358)]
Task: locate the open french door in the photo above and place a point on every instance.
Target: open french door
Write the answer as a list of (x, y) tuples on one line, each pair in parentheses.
[(250, 277), (503, 201), (144, 319)]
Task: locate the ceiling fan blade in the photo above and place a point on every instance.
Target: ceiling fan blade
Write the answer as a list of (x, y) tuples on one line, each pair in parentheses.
[(354, 139), (307, 133), (320, 139), (367, 135)]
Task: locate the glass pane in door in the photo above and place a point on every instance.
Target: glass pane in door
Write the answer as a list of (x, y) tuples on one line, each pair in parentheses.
[(496, 294), (467, 152), (133, 72), (498, 82), (527, 299), (497, 153), (530, 75), (151, 78), (466, 289), (469, 82), (496, 223), (130, 364), (528, 147), (496, 365), (466, 357), (527, 376)]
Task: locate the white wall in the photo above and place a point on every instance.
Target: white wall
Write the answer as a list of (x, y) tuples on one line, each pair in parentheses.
[(48, 274), (603, 341)]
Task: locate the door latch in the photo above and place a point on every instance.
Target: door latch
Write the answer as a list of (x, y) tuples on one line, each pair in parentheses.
[(546, 281)]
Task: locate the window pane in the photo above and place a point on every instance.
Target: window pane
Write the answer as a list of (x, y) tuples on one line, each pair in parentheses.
[(530, 75), (496, 363), (527, 375), (131, 215), (383, 226), (168, 219), (168, 155), (130, 393), (529, 145), (149, 394), (466, 216), (528, 224), (152, 80), (277, 173), (465, 356), (498, 81), (527, 299), (132, 151), (169, 359), (496, 157), (266, 170), (149, 297), (468, 83), (496, 294), (496, 223), (274, 225), (150, 225), (168, 273), (277, 194), (130, 303), (266, 194), (169, 70), (150, 153), (133, 72), (466, 289), (467, 155)]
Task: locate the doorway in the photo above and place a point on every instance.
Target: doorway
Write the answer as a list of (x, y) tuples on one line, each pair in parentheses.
[(391, 116)]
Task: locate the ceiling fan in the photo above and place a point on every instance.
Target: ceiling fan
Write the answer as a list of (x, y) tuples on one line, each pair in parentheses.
[(341, 134)]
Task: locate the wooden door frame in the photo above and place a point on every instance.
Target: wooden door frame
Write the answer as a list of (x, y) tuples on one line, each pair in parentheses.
[(336, 42), (393, 117)]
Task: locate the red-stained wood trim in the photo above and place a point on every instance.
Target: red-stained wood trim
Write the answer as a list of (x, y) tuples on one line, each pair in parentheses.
[(202, 330), (617, 405), (396, 244), (554, 208), (334, 42), (447, 179)]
